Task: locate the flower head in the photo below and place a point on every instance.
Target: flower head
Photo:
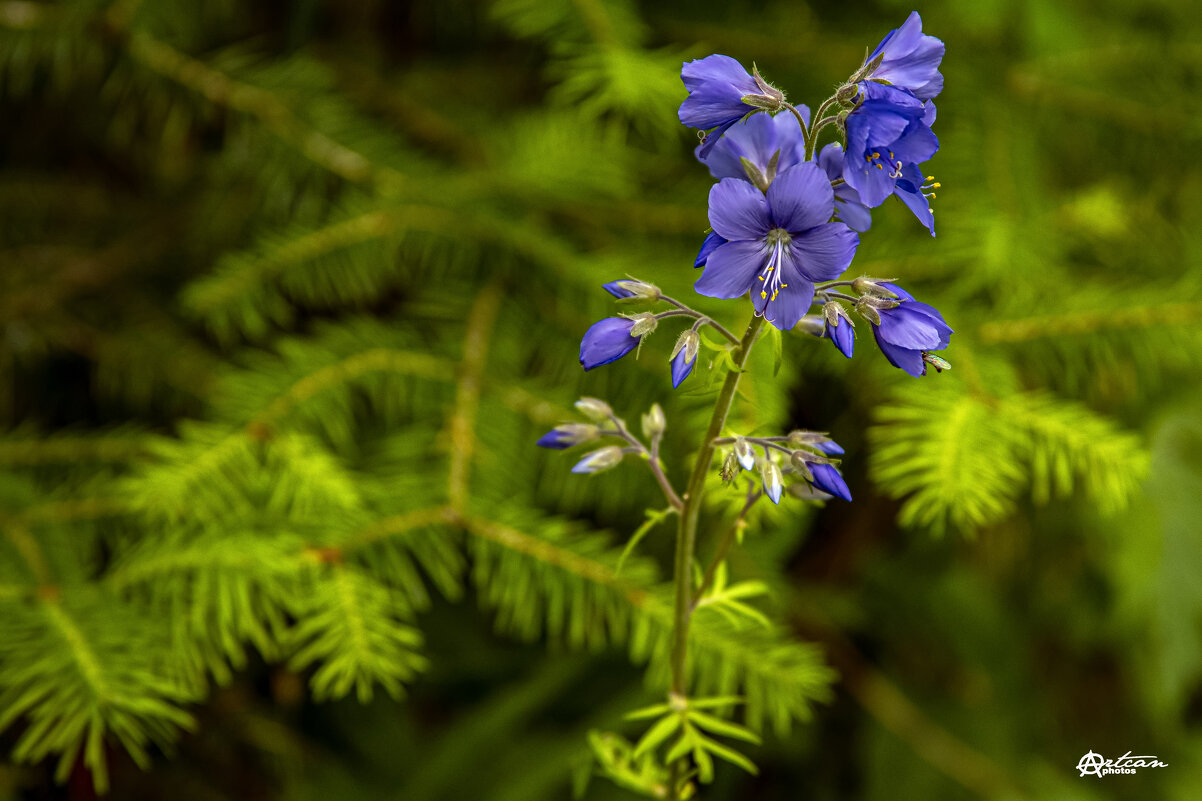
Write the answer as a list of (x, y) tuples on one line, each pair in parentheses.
[(721, 92), (778, 244), (907, 330), (888, 130), (910, 59), (769, 144), (607, 341)]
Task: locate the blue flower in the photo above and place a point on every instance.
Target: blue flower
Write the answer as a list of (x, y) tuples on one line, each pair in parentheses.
[(708, 246), (848, 206), (759, 139), (631, 288), (889, 129), (910, 59), (778, 245), (607, 341), (909, 329), (828, 479), (917, 197), (719, 88), (843, 334), (829, 447)]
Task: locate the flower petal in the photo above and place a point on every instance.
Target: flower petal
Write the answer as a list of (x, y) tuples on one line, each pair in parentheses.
[(903, 358), (731, 269), (824, 252), (738, 210), (606, 341), (908, 327), (801, 198), (711, 242), (791, 303), (828, 479), (681, 368)]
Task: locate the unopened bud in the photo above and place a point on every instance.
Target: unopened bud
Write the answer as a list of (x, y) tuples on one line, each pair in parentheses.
[(867, 311), (833, 311), (594, 409), (798, 460), (730, 467), (689, 342), (632, 288), (654, 422), (872, 286), (744, 453), (600, 459), (847, 92), (644, 323), (774, 482), (769, 97), (566, 435)]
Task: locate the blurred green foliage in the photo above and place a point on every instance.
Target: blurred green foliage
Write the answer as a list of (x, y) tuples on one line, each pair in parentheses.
[(290, 289)]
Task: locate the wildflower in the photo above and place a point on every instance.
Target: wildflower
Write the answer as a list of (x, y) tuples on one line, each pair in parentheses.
[(909, 59), (721, 92), (567, 435), (907, 330), (778, 245), (888, 130), (839, 328), (916, 193), (761, 145), (848, 206), (711, 243), (600, 459), (607, 341), (684, 356)]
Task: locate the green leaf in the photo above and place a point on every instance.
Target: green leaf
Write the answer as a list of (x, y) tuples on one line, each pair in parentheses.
[(718, 726), (657, 734)]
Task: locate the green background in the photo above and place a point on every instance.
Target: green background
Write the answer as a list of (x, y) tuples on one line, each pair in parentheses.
[(289, 290)]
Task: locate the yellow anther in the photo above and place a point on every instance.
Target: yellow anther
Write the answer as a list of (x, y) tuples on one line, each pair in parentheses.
[(931, 196), (763, 294), (880, 166), (868, 158), (930, 177), (936, 185), (876, 155), (760, 277)]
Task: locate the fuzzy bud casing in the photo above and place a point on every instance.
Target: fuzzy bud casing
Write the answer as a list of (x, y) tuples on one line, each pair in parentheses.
[(654, 422), (600, 459), (594, 409)]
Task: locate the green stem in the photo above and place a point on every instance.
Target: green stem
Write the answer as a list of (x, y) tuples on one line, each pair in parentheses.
[(686, 537)]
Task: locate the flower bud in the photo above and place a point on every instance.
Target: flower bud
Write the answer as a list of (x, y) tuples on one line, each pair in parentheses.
[(847, 92), (873, 286), (774, 482), (867, 311), (654, 422), (744, 453), (632, 288), (798, 460), (594, 409), (730, 467), (568, 434), (600, 459), (644, 323)]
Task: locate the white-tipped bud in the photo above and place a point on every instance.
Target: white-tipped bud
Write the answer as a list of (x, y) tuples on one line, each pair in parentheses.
[(744, 453), (576, 433), (654, 422), (600, 459), (594, 409), (689, 342), (644, 323), (774, 482)]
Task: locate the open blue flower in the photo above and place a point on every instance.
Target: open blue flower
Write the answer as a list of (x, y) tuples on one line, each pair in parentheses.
[(848, 206), (778, 244), (889, 129), (910, 59), (909, 329), (718, 86), (759, 139), (607, 341)]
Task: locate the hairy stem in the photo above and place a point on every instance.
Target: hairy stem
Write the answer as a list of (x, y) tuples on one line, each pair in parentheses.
[(686, 537)]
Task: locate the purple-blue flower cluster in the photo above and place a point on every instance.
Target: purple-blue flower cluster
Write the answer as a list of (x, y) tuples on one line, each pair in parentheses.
[(785, 217)]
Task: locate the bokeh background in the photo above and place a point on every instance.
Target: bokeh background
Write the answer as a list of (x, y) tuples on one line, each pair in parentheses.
[(288, 291)]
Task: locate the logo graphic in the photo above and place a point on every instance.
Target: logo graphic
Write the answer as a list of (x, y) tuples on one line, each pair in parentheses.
[(1097, 765)]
